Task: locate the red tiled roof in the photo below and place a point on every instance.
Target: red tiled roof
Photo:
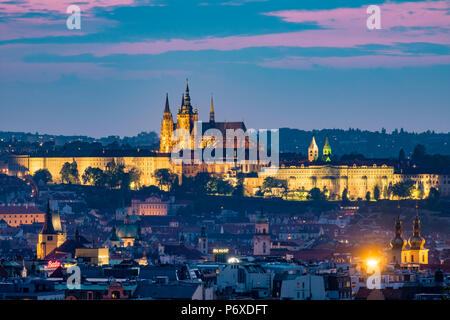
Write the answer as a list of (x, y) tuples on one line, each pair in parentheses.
[(19, 210)]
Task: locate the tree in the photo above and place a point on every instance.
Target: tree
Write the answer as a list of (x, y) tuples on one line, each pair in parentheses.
[(69, 173), (376, 193), (42, 176), (114, 174), (94, 176), (402, 189), (135, 177), (271, 182), (368, 196), (218, 186), (352, 157), (345, 196), (238, 190), (401, 156), (419, 153), (433, 197), (165, 178), (315, 194)]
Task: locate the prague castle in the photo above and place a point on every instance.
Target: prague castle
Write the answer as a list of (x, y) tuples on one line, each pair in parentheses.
[(359, 178), (187, 117)]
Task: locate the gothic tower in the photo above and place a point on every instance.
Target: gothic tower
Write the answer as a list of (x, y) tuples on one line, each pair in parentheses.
[(51, 235), (313, 151), (326, 151), (261, 239), (186, 116), (397, 244), (166, 129)]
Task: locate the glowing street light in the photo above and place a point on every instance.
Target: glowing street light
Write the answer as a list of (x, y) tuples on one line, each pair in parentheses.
[(372, 263)]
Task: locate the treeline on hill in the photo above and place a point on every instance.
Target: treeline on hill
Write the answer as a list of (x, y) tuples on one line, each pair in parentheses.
[(48, 145), (378, 144)]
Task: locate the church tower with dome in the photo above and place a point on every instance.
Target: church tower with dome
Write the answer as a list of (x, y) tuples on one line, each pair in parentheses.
[(416, 253), (397, 244), (411, 253)]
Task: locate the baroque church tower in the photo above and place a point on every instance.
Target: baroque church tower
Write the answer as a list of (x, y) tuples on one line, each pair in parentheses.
[(411, 254), (261, 239), (202, 244), (417, 254), (397, 244)]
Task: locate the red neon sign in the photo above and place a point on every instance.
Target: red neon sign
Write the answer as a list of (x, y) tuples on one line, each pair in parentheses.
[(53, 264)]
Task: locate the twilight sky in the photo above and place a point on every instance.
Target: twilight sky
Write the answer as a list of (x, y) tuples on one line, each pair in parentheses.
[(272, 63)]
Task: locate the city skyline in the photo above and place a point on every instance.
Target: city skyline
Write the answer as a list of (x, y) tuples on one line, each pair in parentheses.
[(278, 64)]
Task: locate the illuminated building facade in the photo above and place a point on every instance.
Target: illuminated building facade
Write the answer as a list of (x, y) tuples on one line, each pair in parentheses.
[(16, 216), (25, 164), (151, 206), (334, 179), (187, 117), (96, 256)]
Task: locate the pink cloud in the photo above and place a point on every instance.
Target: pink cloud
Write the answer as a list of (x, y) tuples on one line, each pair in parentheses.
[(369, 61), (60, 5), (407, 14)]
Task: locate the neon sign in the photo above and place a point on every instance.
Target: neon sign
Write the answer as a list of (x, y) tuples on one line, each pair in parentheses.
[(53, 264)]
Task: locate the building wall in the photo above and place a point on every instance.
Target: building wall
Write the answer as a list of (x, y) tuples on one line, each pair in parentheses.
[(18, 219), (98, 256), (48, 242), (303, 287), (19, 165), (357, 179), (152, 206)]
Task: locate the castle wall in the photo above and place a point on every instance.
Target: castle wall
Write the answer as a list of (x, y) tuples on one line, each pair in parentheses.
[(19, 165)]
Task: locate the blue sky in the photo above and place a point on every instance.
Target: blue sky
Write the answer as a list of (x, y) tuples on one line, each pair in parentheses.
[(280, 63)]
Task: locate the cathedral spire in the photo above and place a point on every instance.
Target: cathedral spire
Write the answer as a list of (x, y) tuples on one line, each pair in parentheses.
[(211, 112), (48, 223), (167, 109), (186, 106)]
